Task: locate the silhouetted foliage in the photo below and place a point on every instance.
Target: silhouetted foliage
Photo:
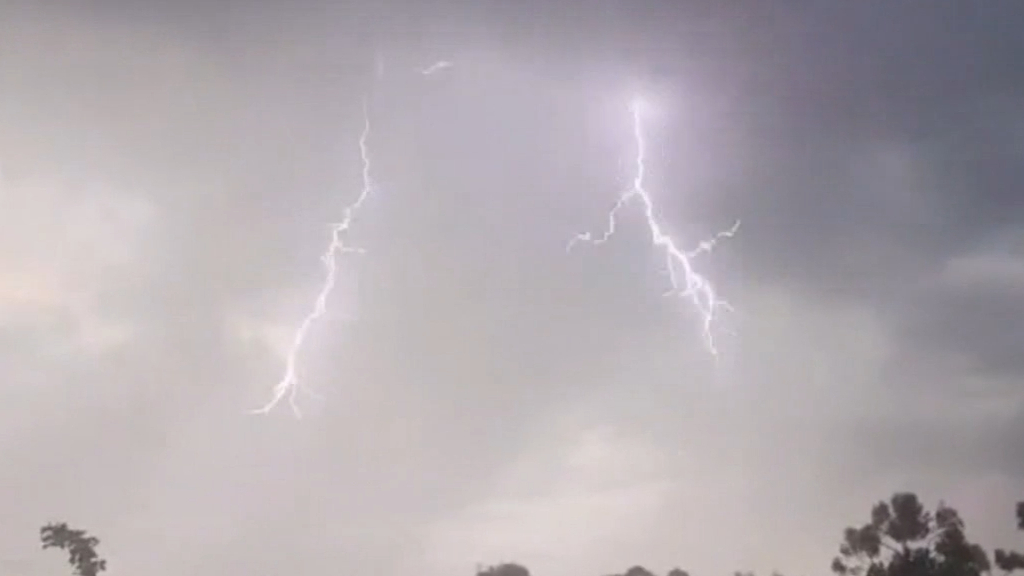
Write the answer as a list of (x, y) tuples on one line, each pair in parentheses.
[(512, 569), (904, 539), (81, 548), (641, 571), (1010, 560), (507, 569), (901, 539)]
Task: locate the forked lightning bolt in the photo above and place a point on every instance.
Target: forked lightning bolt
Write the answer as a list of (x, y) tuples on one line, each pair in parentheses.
[(288, 387), (684, 279)]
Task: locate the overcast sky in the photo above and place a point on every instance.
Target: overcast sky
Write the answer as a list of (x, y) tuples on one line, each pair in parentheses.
[(169, 174)]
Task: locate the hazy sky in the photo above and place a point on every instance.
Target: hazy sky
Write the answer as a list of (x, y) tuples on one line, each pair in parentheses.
[(169, 171)]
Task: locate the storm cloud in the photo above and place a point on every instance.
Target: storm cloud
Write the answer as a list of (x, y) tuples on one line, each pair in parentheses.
[(169, 175)]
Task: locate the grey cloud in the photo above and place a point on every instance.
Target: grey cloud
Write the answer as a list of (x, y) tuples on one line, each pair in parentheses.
[(473, 326), (972, 310), (816, 96)]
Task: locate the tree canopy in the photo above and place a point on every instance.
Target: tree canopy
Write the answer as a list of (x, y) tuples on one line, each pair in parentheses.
[(904, 539), (508, 569), (81, 548), (901, 538), (1010, 560)]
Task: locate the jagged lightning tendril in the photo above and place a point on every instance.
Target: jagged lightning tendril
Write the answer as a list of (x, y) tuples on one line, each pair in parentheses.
[(685, 281), (288, 387), (436, 67)]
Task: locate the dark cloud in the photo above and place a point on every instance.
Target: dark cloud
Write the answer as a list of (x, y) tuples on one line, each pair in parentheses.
[(972, 311), (813, 110), (872, 153)]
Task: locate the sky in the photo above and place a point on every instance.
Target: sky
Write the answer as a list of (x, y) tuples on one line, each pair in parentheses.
[(169, 172)]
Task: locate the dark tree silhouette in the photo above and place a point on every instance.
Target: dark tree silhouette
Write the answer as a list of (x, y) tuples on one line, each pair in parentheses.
[(512, 569), (507, 569), (641, 571), (903, 539), (81, 548), (1010, 560)]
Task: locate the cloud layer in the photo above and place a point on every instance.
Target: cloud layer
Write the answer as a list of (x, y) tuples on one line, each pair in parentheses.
[(168, 176)]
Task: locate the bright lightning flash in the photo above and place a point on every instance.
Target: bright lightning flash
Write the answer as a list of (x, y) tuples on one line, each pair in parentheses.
[(685, 281), (288, 387), (435, 67)]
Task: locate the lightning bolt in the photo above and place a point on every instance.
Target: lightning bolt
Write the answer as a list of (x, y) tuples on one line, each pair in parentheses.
[(288, 387), (684, 279), (435, 67), (430, 70)]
